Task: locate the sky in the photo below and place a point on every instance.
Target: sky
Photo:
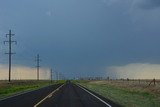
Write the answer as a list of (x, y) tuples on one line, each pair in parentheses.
[(82, 38), (20, 72)]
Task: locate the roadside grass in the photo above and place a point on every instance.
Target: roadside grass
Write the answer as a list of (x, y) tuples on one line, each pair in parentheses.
[(125, 96), (60, 81), (15, 87)]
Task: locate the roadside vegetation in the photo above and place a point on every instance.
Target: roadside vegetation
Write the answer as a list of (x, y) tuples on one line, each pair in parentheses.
[(16, 87), (125, 93)]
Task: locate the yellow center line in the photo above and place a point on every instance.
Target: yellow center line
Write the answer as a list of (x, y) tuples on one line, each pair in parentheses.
[(48, 96)]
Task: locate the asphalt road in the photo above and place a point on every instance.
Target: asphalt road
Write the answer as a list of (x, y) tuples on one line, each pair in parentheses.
[(71, 95), (28, 99), (66, 95)]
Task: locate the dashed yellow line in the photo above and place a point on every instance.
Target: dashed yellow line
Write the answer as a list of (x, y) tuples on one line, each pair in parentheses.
[(48, 96)]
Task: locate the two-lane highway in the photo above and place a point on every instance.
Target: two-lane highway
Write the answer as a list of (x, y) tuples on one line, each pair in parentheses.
[(61, 95), (71, 95)]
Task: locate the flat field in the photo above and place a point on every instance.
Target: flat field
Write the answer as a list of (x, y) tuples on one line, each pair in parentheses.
[(132, 93)]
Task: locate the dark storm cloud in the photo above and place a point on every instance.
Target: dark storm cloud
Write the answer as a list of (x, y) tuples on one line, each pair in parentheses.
[(149, 4), (81, 37)]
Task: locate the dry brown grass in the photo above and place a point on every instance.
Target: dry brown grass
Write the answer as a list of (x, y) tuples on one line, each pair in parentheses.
[(133, 85), (127, 93)]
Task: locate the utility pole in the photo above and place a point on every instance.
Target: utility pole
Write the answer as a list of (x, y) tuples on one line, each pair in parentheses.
[(51, 75), (38, 65), (10, 53), (56, 76)]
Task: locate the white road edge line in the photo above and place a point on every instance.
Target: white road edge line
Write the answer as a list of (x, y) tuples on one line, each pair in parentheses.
[(94, 95), (48, 96)]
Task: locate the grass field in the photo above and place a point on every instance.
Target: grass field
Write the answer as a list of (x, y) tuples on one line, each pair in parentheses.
[(127, 93), (8, 89)]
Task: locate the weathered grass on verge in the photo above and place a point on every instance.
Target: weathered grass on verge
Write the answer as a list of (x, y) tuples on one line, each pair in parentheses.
[(125, 96), (8, 89)]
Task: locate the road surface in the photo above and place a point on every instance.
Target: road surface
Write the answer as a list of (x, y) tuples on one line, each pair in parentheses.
[(28, 99), (66, 95)]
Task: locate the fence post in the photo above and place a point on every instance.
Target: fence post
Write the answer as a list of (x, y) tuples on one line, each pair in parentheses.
[(154, 81)]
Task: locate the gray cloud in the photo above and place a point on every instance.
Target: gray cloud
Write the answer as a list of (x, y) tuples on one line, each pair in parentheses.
[(149, 4), (80, 37)]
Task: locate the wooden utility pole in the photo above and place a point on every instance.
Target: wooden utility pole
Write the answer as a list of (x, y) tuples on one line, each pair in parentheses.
[(10, 53), (38, 65), (51, 75)]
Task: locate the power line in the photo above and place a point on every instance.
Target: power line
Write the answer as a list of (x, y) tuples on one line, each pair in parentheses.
[(38, 65), (10, 53)]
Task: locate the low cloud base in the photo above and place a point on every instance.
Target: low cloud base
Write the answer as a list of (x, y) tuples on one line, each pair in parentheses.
[(23, 73), (135, 71)]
